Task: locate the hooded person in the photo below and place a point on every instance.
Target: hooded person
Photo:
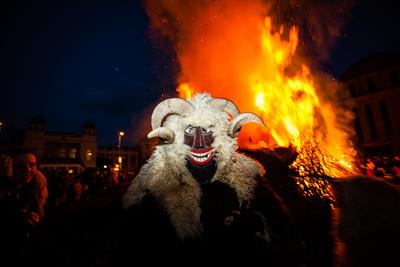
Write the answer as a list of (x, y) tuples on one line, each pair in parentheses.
[(197, 196)]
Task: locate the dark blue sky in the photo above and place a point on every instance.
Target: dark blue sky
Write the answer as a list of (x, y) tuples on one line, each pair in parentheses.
[(73, 61), (373, 27)]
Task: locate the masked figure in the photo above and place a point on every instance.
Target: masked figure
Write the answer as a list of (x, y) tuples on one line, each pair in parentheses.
[(197, 196)]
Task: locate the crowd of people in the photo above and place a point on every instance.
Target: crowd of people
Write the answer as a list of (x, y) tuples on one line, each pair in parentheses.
[(44, 213), (382, 166), (67, 187)]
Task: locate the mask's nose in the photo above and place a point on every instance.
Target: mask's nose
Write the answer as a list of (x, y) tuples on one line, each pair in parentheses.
[(198, 138)]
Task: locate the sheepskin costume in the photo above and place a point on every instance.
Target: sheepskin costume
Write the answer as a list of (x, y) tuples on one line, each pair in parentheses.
[(167, 177)]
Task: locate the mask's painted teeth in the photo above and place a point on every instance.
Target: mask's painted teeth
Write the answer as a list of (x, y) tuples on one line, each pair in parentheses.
[(201, 158)]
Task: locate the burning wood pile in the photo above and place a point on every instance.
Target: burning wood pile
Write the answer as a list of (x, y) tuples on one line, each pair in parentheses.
[(288, 169)]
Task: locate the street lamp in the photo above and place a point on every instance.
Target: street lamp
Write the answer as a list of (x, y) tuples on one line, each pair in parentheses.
[(120, 134)]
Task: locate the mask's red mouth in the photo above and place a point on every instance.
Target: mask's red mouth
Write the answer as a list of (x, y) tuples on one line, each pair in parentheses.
[(201, 156)]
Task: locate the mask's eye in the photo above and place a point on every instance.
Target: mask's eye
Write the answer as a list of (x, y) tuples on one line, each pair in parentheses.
[(206, 130), (190, 130)]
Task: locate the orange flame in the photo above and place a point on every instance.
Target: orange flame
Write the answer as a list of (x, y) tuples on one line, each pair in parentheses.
[(185, 91), (232, 50), (289, 105)]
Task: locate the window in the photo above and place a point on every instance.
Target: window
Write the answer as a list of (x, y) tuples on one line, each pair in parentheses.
[(88, 131), (371, 85), (62, 153), (89, 154), (357, 125), (72, 153), (371, 123), (386, 119), (352, 89)]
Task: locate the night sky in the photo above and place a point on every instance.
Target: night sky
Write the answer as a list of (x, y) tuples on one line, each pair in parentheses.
[(72, 61)]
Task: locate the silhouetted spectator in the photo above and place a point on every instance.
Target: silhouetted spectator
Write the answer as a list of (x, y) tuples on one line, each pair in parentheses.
[(370, 167), (396, 169), (23, 197)]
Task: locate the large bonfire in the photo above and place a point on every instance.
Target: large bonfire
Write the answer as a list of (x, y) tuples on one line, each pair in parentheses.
[(232, 49)]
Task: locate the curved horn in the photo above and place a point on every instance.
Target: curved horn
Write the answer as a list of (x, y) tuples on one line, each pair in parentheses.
[(168, 107), (240, 120), (163, 133), (225, 105)]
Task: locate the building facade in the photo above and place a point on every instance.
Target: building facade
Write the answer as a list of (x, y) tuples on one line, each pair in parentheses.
[(374, 86), (71, 151)]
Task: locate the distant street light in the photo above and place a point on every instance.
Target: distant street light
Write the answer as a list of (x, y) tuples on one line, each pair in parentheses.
[(120, 134)]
